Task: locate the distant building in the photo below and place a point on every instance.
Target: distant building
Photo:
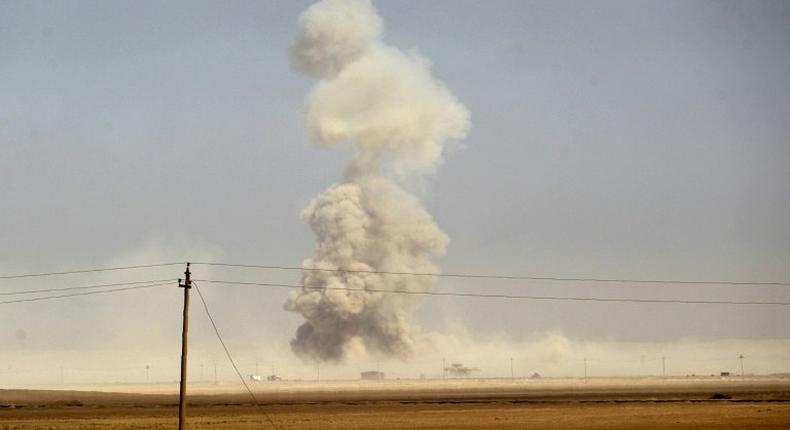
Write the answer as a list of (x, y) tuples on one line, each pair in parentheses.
[(372, 375), (255, 378), (458, 370), (725, 373)]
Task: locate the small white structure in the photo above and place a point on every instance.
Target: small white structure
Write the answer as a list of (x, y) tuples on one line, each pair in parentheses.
[(255, 378)]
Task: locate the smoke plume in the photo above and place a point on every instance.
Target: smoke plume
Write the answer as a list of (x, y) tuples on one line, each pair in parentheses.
[(384, 104)]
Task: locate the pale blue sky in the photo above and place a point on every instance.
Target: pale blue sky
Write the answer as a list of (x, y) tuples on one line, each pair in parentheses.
[(638, 139)]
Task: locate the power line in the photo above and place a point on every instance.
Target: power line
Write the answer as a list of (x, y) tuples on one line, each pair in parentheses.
[(101, 269), (505, 296), (423, 293), (83, 287), (230, 358), (63, 296), (443, 275), (499, 276)]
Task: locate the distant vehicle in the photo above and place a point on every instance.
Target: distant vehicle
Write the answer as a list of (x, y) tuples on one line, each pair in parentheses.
[(255, 378), (272, 378)]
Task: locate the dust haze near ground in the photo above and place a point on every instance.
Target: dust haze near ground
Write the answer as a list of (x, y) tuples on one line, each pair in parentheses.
[(550, 355)]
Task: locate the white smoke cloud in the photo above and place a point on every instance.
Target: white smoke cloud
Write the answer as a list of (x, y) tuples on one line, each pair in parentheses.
[(386, 106), (389, 108), (333, 33), (364, 225)]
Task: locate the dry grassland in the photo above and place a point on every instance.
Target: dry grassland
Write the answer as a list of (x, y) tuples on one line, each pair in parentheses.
[(613, 404)]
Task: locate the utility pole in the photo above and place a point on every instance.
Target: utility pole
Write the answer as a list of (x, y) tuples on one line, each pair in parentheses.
[(741, 358), (585, 370), (147, 366), (512, 375), (663, 367), (444, 369), (182, 394)]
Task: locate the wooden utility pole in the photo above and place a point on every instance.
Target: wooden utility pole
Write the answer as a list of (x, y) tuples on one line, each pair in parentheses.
[(182, 394)]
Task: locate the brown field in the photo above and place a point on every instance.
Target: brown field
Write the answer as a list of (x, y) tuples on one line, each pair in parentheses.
[(759, 403)]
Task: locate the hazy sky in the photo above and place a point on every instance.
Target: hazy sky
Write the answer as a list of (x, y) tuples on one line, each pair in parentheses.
[(636, 139)]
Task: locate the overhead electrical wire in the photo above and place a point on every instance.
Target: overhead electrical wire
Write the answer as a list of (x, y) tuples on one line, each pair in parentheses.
[(88, 293), (82, 287), (101, 269), (230, 358), (420, 293), (503, 296), (496, 276), (163, 282), (440, 275)]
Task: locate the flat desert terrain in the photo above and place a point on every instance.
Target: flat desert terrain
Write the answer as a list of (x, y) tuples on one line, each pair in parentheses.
[(756, 403)]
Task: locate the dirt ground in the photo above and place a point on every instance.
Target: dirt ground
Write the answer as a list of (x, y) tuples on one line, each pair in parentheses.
[(547, 405)]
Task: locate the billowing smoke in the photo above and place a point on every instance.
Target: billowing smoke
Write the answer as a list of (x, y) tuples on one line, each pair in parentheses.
[(384, 104)]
